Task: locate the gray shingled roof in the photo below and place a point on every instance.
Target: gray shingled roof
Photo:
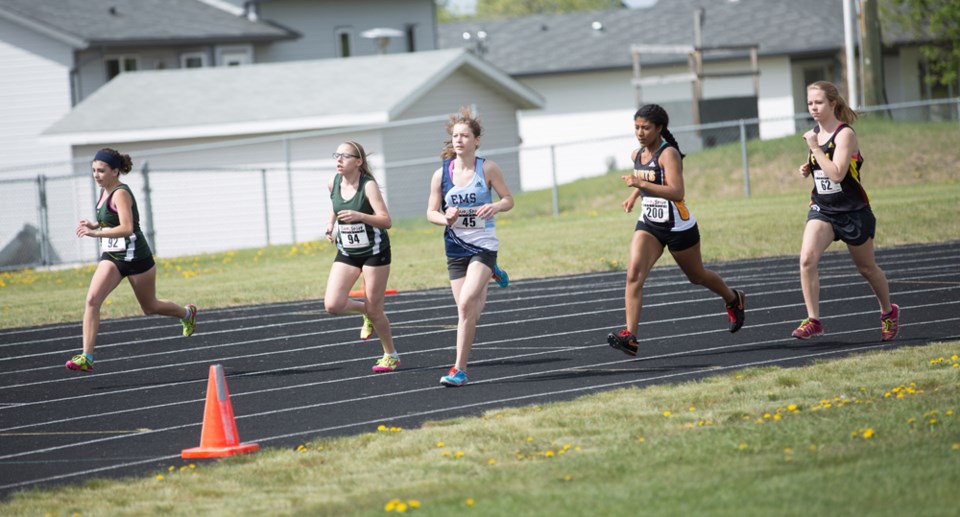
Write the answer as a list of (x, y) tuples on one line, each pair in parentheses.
[(112, 22), (272, 97), (544, 44)]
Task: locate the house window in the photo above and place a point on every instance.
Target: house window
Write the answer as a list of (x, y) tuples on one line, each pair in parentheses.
[(411, 38), (344, 40), (193, 60), (234, 55), (116, 65)]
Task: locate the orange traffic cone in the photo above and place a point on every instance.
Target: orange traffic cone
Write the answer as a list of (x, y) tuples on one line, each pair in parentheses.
[(362, 292), (219, 437)]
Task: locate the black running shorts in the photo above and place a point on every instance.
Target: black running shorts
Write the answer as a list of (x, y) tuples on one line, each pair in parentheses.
[(130, 268), (853, 228), (457, 266), (380, 259), (676, 241)]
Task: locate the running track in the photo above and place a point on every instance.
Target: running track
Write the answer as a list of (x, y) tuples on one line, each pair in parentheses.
[(295, 373)]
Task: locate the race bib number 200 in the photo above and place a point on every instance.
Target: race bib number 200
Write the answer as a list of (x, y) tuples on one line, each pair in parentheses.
[(354, 235), (656, 209)]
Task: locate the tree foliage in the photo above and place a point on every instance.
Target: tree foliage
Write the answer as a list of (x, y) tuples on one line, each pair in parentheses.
[(938, 23), (489, 9)]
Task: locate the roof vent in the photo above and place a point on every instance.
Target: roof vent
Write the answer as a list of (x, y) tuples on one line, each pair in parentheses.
[(597, 26), (112, 10)]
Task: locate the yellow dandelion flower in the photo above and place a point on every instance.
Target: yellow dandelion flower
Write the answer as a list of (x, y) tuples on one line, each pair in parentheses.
[(401, 507), (459, 454), (911, 420), (413, 503), (954, 357), (956, 447), (641, 440), (667, 413), (159, 477), (868, 433), (391, 505), (792, 407), (787, 450), (766, 416), (381, 427), (445, 454), (743, 446), (812, 447), (949, 412), (491, 461), (469, 502), (691, 408), (183, 468), (568, 477), (529, 439), (932, 421), (172, 468), (738, 377), (548, 454), (777, 417), (440, 444), (566, 446)]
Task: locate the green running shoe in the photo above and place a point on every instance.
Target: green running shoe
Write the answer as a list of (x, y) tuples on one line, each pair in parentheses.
[(80, 363), (190, 324), (367, 329)]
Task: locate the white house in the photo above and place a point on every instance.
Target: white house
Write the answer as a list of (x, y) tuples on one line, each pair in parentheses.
[(207, 133), (58, 52), (582, 64)]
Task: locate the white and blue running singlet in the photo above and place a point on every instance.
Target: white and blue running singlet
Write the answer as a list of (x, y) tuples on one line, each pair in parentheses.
[(469, 235)]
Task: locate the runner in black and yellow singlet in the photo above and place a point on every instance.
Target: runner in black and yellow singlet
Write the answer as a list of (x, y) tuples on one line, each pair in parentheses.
[(839, 208), (664, 223)]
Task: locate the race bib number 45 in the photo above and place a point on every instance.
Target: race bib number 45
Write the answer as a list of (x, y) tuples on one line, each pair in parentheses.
[(824, 184), (467, 219), (354, 235), (656, 209), (113, 244)]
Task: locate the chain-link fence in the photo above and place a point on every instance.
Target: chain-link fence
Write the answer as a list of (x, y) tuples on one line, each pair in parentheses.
[(189, 211)]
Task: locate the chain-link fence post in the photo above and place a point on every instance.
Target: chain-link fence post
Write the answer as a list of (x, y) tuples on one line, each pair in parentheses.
[(266, 206), (148, 207), (44, 220), (553, 188), (293, 213), (743, 156)]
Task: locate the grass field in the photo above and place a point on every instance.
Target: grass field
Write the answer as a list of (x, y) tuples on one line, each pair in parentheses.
[(873, 434)]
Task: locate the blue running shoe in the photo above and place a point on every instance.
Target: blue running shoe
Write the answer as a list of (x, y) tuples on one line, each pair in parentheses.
[(500, 276), (454, 378)]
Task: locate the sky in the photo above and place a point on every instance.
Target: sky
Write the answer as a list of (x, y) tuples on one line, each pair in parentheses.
[(469, 6)]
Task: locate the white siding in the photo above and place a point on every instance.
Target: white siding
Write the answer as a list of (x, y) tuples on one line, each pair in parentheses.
[(34, 93), (318, 22)]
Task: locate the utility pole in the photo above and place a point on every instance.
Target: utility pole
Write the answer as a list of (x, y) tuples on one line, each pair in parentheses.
[(873, 91)]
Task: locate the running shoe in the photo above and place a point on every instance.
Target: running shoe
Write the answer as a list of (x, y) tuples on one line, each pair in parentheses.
[(890, 323), (387, 363), (624, 341), (735, 311), (454, 378), (190, 324), (367, 329), (808, 328), (500, 276), (80, 363)]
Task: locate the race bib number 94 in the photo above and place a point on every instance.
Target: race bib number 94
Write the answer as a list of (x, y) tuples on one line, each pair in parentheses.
[(113, 244), (467, 219), (354, 235), (824, 184), (656, 209)]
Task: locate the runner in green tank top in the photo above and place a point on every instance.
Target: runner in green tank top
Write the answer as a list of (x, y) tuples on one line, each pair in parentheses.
[(359, 221), (126, 254)]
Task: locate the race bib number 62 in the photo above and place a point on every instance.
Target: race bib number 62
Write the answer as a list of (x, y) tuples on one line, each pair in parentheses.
[(824, 184)]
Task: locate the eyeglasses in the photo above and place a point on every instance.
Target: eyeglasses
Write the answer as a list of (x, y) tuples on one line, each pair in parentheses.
[(337, 156)]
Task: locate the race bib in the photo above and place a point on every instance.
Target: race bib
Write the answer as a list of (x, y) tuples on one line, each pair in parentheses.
[(824, 184), (353, 235), (113, 244), (656, 209), (467, 219)]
